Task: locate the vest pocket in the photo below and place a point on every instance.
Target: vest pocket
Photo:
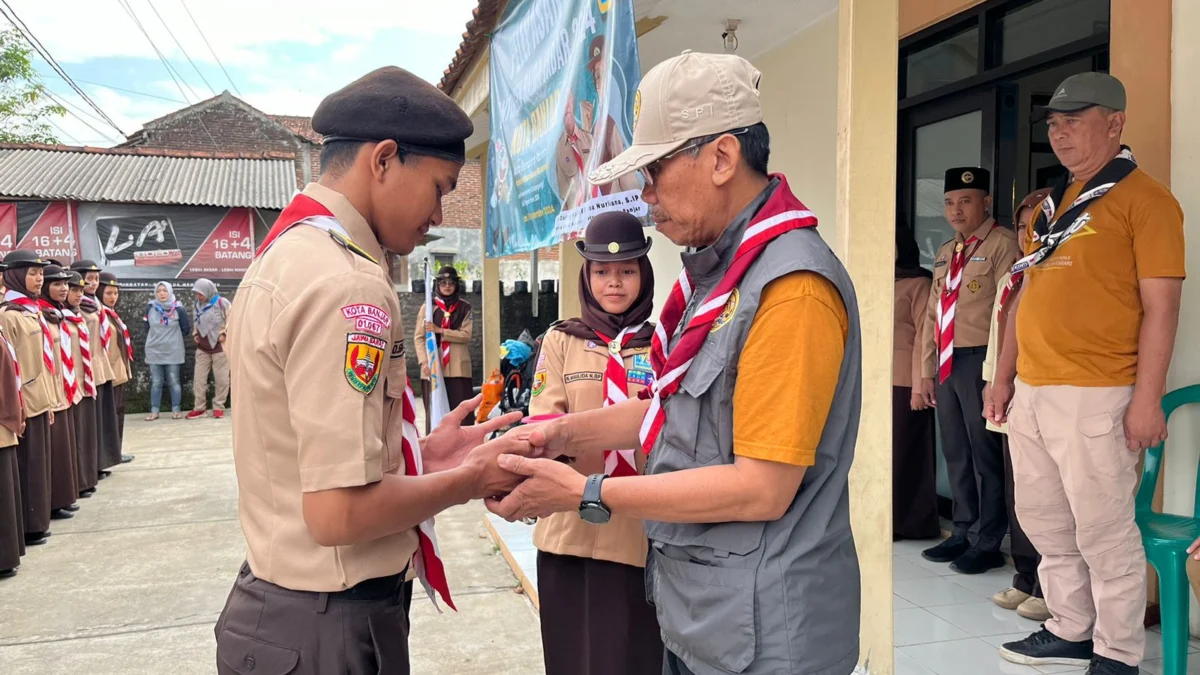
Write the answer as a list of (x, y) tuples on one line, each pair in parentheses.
[(706, 612), (686, 413)]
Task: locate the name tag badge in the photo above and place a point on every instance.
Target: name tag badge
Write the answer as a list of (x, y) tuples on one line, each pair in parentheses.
[(979, 258), (939, 263)]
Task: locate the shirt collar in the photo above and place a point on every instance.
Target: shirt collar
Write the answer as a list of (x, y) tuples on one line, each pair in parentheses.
[(714, 259), (981, 232), (356, 226)]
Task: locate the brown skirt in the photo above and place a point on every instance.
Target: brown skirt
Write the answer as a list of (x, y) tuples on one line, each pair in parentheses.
[(12, 529), (64, 465), (595, 618), (106, 423), (458, 389), (914, 470), (86, 448), (33, 458), (119, 395)]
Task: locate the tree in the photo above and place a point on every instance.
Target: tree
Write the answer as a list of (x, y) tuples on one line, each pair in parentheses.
[(25, 107)]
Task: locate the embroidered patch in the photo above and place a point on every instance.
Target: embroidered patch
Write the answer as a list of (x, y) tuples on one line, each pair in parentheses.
[(642, 362), (592, 344), (364, 360), (974, 286), (368, 318), (731, 306), (541, 362), (579, 377), (642, 377), (539, 382), (398, 349)]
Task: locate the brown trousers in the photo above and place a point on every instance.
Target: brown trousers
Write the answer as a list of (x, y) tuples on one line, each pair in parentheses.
[(1024, 553), (87, 449), (268, 629), (595, 618), (64, 464), (33, 458), (914, 470), (12, 527), (218, 365), (1075, 480)]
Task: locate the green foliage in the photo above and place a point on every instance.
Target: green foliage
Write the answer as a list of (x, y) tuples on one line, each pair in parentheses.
[(464, 269), (25, 108)]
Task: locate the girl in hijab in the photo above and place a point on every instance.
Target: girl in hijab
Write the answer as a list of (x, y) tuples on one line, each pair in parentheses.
[(166, 324), (452, 325), (100, 334), (12, 425), (82, 339), (64, 463), (211, 313), (595, 618), (119, 350), (914, 465), (29, 335)]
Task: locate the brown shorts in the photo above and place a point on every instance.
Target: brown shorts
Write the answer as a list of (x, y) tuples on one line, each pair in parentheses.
[(268, 629)]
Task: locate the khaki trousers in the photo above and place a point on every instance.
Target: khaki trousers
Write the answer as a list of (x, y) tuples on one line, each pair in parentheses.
[(1075, 481), (218, 364)]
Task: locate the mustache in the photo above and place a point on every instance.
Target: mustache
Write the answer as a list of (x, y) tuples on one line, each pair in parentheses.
[(658, 215)]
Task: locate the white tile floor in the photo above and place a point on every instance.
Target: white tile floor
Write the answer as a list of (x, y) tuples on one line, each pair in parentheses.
[(946, 623)]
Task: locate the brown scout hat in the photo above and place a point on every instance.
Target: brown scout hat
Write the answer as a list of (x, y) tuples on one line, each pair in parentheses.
[(109, 279), (615, 236)]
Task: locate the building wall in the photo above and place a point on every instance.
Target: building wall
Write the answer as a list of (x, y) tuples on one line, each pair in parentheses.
[(463, 207), (917, 15)]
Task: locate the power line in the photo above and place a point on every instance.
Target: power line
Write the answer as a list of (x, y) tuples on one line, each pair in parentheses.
[(15, 20), (210, 48), (175, 77), (64, 133), (69, 108), (127, 91), (181, 49)]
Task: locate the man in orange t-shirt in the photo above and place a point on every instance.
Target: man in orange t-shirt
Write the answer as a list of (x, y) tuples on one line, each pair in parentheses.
[(1090, 346)]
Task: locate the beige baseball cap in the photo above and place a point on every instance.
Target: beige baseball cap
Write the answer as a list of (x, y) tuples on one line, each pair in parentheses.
[(682, 98)]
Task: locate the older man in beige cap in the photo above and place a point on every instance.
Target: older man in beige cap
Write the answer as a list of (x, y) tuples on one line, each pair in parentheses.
[(750, 428)]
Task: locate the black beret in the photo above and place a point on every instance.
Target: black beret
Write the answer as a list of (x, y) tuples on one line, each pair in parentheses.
[(85, 266), (968, 178), (392, 103), (24, 258)]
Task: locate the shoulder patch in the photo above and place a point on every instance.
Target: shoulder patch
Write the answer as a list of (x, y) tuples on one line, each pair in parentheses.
[(398, 349), (539, 382), (364, 360), (368, 318), (731, 306)]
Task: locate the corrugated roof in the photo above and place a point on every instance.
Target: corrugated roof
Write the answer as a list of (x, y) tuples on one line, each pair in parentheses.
[(97, 175)]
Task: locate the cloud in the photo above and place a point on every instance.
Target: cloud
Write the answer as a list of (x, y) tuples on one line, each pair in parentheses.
[(349, 53)]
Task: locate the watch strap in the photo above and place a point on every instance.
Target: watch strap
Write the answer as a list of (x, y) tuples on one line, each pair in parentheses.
[(591, 489)]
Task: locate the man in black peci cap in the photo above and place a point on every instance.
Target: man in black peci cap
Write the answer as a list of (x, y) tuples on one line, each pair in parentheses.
[(334, 501)]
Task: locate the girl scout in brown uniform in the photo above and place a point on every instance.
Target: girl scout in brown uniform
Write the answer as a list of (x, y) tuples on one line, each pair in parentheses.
[(12, 418), (120, 355), (595, 618), (22, 324), (108, 443), (84, 347), (452, 323), (64, 490)]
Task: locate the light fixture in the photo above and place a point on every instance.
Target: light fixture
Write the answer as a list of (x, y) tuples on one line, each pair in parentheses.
[(730, 35)]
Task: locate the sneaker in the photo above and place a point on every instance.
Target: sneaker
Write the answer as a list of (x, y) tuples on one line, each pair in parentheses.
[(196, 414), (218, 414), (975, 561), (1102, 665), (1044, 648), (947, 551), (1010, 598), (1034, 609)]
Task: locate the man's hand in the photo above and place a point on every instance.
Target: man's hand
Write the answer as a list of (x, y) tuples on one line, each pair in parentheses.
[(21, 429), (52, 418), (450, 442), (995, 405), (430, 328), (917, 401), (928, 389), (550, 439), (551, 487), (490, 478), (1194, 549), (1145, 425), (425, 372)]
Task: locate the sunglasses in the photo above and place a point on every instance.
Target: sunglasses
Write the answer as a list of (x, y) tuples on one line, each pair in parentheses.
[(653, 170)]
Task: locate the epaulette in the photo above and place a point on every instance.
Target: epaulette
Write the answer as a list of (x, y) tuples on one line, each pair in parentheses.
[(351, 246)]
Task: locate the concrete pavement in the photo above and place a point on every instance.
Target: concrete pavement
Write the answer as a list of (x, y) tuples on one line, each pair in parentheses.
[(135, 582)]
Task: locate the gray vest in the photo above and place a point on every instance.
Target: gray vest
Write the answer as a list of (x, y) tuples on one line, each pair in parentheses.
[(759, 597)]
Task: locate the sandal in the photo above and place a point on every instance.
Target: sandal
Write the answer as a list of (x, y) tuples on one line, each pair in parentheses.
[(177, 416), (151, 417)]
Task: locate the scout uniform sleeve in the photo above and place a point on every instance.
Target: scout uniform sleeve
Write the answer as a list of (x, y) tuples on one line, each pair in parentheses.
[(919, 309), (463, 334), (332, 364), (1006, 256), (419, 337), (549, 389), (1158, 246)]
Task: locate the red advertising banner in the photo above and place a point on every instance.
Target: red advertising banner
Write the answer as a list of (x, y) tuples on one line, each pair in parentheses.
[(8, 228), (227, 251), (54, 234)]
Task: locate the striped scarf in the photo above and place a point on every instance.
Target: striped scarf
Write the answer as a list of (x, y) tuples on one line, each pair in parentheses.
[(948, 303), (85, 351), (446, 312), (116, 319), (616, 389)]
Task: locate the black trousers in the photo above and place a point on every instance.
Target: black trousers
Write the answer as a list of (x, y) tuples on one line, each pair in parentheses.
[(1025, 556), (109, 440), (33, 463), (87, 448), (64, 462), (974, 455), (265, 628), (914, 470), (595, 618)]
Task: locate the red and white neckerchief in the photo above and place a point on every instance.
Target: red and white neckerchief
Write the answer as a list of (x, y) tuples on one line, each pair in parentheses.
[(949, 301), (34, 306), (116, 318), (1014, 279), (428, 561), (85, 351), (445, 327), (105, 326), (782, 213), (66, 354), (618, 463), (5, 344)]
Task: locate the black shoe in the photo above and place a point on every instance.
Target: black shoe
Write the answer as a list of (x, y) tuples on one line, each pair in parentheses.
[(975, 561), (87, 494), (105, 474), (8, 574), (1102, 665), (948, 550), (125, 459), (1044, 648), (72, 508), (60, 514), (36, 538)]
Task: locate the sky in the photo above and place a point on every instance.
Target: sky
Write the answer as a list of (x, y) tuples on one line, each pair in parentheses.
[(283, 56)]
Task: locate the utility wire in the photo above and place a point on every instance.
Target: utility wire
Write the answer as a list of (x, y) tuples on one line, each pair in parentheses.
[(15, 20), (68, 136), (71, 111), (127, 91), (210, 47), (181, 49), (166, 64)]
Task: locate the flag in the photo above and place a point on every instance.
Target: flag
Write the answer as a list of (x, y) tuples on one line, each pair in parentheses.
[(439, 403)]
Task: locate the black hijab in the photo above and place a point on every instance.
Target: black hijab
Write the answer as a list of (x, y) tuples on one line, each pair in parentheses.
[(459, 308), (595, 320), (14, 280), (908, 255)]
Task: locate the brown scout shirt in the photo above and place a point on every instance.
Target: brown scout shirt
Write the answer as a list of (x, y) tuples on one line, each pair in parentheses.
[(25, 332), (101, 369), (116, 354), (7, 437), (570, 379), (990, 259), (912, 297), (460, 345), (310, 322)]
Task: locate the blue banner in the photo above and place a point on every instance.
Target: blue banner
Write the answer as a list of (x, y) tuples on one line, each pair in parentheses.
[(563, 78)]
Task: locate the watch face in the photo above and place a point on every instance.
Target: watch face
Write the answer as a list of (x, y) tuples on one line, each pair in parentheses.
[(594, 513)]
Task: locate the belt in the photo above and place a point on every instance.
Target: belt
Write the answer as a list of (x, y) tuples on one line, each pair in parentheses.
[(379, 588), (971, 350)]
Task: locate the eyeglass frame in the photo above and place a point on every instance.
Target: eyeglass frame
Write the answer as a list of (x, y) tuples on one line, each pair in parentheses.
[(654, 167)]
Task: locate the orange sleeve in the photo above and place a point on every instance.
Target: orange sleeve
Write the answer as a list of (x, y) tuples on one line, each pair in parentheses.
[(1158, 244), (788, 370)]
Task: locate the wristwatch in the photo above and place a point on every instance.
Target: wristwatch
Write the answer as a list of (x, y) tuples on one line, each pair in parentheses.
[(591, 509)]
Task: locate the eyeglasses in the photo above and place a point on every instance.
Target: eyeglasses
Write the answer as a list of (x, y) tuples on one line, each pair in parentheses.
[(651, 171), (446, 282)]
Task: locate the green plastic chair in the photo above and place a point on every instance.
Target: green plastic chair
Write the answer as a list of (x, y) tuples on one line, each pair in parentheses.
[(1166, 538)]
